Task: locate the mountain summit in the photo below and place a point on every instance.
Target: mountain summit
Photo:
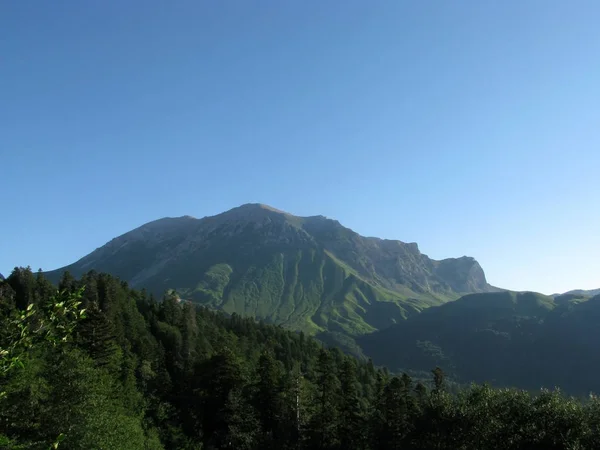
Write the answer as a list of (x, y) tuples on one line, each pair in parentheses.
[(307, 273)]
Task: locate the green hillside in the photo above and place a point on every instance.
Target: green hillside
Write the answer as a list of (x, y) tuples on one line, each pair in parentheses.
[(306, 290), (305, 273), (508, 339)]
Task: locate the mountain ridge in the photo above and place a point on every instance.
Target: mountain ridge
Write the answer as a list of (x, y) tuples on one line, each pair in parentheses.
[(309, 273), (584, 292)]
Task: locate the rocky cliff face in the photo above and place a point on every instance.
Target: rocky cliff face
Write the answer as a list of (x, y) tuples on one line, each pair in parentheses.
[(309, 273), (395, 263)]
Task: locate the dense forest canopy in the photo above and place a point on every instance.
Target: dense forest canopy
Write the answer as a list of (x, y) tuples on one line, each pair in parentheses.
[(93, 364)]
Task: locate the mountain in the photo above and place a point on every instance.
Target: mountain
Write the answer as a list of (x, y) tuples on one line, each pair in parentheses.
[(1, 277), (306, 273), (523, 339)]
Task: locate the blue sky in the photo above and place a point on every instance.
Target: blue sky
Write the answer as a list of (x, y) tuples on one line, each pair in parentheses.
[(469, 127)]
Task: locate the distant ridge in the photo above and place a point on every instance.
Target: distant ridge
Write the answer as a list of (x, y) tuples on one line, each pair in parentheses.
[(587, 293)]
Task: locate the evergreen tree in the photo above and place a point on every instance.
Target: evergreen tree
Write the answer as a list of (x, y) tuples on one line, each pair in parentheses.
[(170, 310), (352, 423), (398, 409), (67, 282), (377, 412), (225, 417), (23, 283), (96, 337), (421, 394), (439, 384), (189, 334), (43, 288), (324, 424), (268, 400)]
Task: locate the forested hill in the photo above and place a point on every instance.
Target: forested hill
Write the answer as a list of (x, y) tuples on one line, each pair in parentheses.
[(306, 273), (521, 339), (101, 366)]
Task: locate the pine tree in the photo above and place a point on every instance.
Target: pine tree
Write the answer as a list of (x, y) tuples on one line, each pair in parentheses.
[(325, 422), (377, 411), (408, 398), (43, 288), (267, 399), (421, 394), (23, 283), (90, 295), (352, 421), (435, 424), (96, 337), (170, 310), (218, 387), (67, 282), (189, 334), (439, 384)]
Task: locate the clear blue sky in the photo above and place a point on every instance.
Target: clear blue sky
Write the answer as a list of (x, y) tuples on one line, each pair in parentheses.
[(470, 127)]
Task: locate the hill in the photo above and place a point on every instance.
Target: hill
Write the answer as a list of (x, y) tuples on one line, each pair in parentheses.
[(508, 339), (306, 273), (588, 293)]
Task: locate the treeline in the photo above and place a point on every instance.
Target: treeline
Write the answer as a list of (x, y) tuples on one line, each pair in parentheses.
[(97, 365)]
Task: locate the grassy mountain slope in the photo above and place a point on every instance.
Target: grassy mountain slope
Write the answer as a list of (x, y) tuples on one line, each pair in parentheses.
[(507, 338), (306, 273)]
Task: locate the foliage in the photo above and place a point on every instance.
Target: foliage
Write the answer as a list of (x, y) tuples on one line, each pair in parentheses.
[(135, 373), (50, 324)]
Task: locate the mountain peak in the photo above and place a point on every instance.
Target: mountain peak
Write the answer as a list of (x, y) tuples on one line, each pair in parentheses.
[(251, 212), (257, 207)]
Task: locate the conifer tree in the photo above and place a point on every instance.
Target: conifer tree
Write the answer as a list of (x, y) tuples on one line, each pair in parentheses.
[(377, 411), (226, 418), (67, 282), (189, 328), (351, 431), (96, 337), (23, 284), (268, 399), (325, 422)]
